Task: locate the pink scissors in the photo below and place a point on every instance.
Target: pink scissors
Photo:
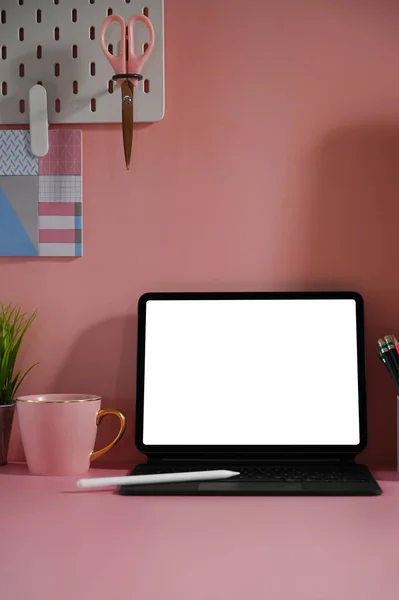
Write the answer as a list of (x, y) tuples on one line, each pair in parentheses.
[(127, 67)]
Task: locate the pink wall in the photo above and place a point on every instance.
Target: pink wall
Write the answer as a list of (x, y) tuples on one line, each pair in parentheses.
[(276, 167)]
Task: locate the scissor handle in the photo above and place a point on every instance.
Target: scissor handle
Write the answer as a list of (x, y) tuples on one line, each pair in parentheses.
[(118, 62), (136, 62)]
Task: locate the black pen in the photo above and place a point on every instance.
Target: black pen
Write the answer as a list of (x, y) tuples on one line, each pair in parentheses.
[(390, 344), (387, 357)]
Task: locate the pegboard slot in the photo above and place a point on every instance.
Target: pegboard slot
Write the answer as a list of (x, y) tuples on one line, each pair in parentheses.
[(57, 42), (22, 106)]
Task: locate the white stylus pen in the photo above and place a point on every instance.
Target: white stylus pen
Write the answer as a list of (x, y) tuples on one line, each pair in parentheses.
[(97, 482)]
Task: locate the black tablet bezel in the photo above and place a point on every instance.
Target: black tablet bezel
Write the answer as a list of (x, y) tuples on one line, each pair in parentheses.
[(240, 450)]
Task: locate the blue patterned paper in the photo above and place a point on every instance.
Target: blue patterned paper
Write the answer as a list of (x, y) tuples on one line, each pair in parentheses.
[(16, 157), (14, 239)]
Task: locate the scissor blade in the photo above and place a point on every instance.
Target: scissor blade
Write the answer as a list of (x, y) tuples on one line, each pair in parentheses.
[(127, 119)]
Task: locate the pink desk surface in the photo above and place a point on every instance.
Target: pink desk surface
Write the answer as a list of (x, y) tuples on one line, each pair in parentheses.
[(58, 543)]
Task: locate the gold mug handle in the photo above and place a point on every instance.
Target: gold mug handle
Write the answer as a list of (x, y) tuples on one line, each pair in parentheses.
[(122, 427)]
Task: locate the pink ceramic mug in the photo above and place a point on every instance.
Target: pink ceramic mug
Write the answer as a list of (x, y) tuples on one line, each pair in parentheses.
[(58, 432)]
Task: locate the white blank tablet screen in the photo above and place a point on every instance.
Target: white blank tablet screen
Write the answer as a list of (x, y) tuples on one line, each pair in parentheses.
[(251, 372)]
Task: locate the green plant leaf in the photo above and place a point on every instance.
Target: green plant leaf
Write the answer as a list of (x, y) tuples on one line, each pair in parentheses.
[(23, 377)]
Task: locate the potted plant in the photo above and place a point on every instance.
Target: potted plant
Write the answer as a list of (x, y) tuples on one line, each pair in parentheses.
[(13, 326)]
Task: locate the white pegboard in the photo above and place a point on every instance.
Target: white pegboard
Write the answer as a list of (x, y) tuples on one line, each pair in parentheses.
[(49, 41)]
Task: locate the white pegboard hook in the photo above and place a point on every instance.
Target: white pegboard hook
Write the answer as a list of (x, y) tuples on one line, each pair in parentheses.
[(38, 120)]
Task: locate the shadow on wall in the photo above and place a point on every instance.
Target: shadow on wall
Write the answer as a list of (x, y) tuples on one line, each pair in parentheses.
[(350, 242), (103, 362)]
